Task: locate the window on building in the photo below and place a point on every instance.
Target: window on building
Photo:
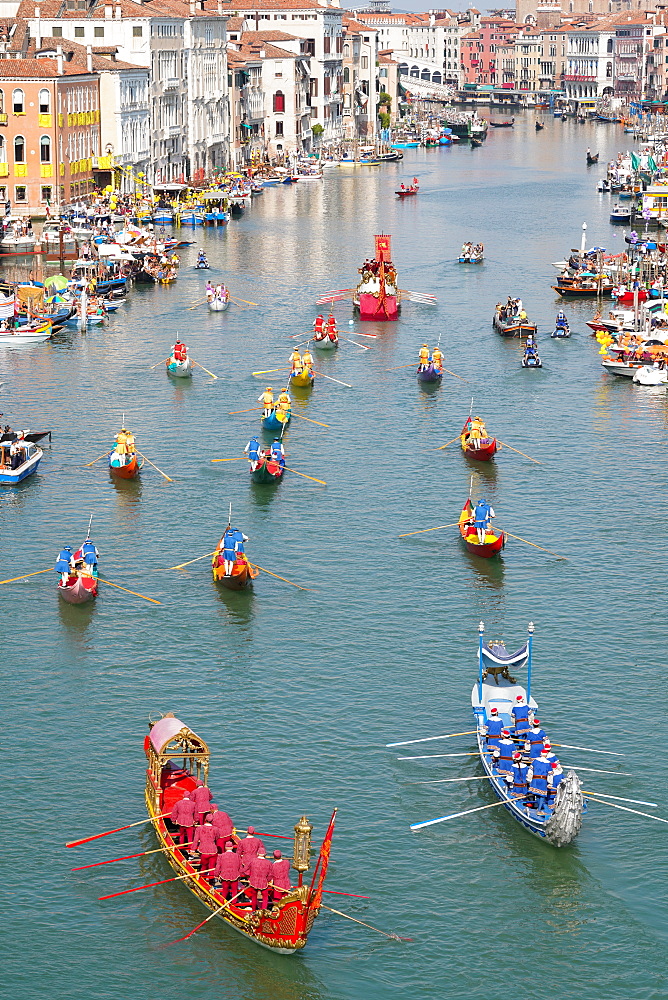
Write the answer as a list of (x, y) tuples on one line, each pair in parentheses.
[(79, 32), (2, 100), (346, 75), (56, 31), (309, 47), (19, 149), (98, 32), (327, 43), (137, 31), (46, 193), (3, 150), (44, 102), (18, 102), (608, 70), (279, 101), (365, 62), (20, 193), (45, 149), (279, 128)]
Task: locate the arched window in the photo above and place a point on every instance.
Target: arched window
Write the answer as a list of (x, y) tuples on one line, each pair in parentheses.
[(44, 102), (346, 49), (18, 102), (279, 101), (591, 6), (610, 45), (346, 75), (608, 70), (45, 149), (19, 149)]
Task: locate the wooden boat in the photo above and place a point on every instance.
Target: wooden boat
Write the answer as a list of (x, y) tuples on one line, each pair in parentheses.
[(219, 303), (508, 123), (179, 369), (377, 296), (267, 471), (128, 471), (23, 463), (177, 757), (80, 588), (243, 573), (430, 374), (494, 540), (413, 188), (277, 420), (592, 159), (512, 326), (327, 342), (583, 289), (26, 335), (539, 126), (560, 824), (475, 141), (486, 449), (303, 379)]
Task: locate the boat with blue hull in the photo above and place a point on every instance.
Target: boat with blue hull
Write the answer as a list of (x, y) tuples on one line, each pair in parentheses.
[(430, 373), (497, 689), (18, 460), (276, 421)]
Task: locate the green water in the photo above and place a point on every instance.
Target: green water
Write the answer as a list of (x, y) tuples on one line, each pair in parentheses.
[(298, 692)]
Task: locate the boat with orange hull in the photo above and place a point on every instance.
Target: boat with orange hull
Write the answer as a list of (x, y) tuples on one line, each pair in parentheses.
[(494, 540), (177, 758), (243, 573), (128, 471), (486, 448), (377, 295)]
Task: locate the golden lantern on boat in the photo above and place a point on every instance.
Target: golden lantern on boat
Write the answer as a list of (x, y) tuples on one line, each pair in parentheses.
[(301, 857)]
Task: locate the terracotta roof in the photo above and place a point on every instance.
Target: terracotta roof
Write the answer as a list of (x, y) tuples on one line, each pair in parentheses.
[(350, 24), (38, 69), (263, 50), (75, 52), (252, 37)]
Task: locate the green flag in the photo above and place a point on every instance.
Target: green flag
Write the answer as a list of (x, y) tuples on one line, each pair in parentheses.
[(651, 163), (635, 161)]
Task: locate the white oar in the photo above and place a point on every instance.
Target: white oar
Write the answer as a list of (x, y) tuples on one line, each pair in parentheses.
[(440, 781), (568, 746), (625, 809), (362, 346), (618, 798), (333, 379), (594, 770), (428, 756), (442, 819), (426, 739)]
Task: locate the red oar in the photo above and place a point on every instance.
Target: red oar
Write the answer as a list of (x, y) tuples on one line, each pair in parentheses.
[(205, 921), (96, 836), (333, 892), (127, 857), (150, 885)]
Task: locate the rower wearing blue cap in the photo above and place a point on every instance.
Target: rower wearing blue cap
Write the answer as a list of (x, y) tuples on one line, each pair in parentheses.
[(482, 516), (65, 563), (278, 453), (252, 449)]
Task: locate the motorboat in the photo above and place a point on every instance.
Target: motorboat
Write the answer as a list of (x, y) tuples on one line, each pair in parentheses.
[(651, 375), (620, 214)]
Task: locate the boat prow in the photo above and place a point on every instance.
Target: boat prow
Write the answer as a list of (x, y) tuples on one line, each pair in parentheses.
[(277, 420), (494, 540), (79, 589)]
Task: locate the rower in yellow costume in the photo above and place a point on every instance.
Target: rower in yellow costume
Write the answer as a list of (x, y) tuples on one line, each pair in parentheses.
[(284, 402), (307, 360), (295, 360), (437, 358), (267, 400), (423, 357), (475, 432)]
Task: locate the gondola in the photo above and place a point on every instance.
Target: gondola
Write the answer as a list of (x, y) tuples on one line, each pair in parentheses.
[(430, 373), (505, 124), (177, 757), (486, 449), (303, 379), (179, 369), (79, 589), (494, 540), (327, 342), (592, 159), (539, 126), (242, 572), (475, 141), (268, 470), (277, 420), (561, 822), (128, 471)]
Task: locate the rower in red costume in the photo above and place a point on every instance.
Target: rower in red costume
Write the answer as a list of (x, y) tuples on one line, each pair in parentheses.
[(179, 351), (318, 327), (202, 796), (248, 848), (280, 876), (259, 876), (331, 327), (223, 825), (228, 869), (183, 814), (204, 841)]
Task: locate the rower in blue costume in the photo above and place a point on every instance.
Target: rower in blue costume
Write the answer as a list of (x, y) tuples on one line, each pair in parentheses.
[(64, 563), (482, 515), (239, 539), (252, 449), (493, 729), (90, 555), (518, 779), (278, 453), (554, 779), (229, 547), (540, 767), (520, 714), (506, 749), (535, 739)]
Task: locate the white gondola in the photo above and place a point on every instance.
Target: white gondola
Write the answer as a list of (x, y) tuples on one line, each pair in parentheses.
[(218, 303), (179, 369), (24, 335), (326, 343)]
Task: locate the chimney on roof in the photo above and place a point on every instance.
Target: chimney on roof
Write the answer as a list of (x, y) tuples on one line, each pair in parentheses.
[(192, 7), (38, 29), (61, 60), (108, 11), (220, 8), (119, 12), (89, 58)]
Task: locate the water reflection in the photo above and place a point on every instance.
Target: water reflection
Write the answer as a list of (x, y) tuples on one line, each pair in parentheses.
[(263, 494), (76, 620), (128, 497), (237, 607)]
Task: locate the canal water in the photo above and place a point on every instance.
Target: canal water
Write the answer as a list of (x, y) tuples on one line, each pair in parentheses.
[(297, 692)]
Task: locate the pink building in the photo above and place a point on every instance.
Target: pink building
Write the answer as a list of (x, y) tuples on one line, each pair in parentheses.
[(479, 50)]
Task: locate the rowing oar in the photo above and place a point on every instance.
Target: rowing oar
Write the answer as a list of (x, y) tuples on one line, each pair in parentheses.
[(206, 919), (395, 937), (128, 857), (250, 410), (159, 363), (448, 443), (569, 746), (243, 459), (25, 576), (309, 420), (204, 369), (440, 781), (520, 453), (156, 467), (595, 770), (426, 739), (424, 530), (201, 301), (134, 593), (181, 565), (362, 347), (333, 379), (618, 798), (304, 476), (401, 366), (96, 836), (429, 756), (626, 809), (245, 301), (455, 375), (103, 455), (536, 546), (270, 371), (466, 812), (280, 577), (150, 885)]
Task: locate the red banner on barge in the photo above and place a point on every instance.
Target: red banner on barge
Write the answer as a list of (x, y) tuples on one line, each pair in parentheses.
[(377, 295)]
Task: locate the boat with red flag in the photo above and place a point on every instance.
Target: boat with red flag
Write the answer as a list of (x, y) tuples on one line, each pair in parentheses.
[(178, 761), (406, 190), (476, 442), (493, 542)]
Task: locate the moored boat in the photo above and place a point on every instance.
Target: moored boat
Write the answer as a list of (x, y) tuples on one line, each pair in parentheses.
[(475, 441), (26, 335), (177, 758), (651, 375), (494, 540), (556, 815)]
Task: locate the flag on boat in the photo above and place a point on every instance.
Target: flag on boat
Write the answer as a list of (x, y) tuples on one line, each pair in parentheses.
[(320, 873), (635, 161)]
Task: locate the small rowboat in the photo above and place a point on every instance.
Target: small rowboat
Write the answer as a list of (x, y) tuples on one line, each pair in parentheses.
[(267, 471), (218, 304), (327, 343), (180, 369), (494, 540), (303, 379), (176, 758), (79, 588), (128, 471), (487, 447), (242, 571), (25, 335), (430, 374), (277, 420)]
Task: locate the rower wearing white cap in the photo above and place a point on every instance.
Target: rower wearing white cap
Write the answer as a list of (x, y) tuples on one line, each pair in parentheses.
[(554, 779), (518, 779), (520, 714)]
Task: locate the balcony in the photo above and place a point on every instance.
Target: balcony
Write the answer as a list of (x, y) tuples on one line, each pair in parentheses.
[(3, 119), (171, 83), (626, 77), (576, 78)]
